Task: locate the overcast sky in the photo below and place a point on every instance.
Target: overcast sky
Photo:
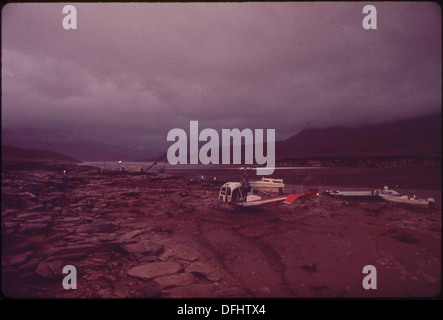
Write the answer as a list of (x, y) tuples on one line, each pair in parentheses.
[(131, 72)]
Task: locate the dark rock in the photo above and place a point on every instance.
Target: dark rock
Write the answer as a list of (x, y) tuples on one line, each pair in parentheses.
[(30, 265), (149, 292), (27, 215), (109, 278), (206, 270), (9, 225), (10, 212), (105, 237), (310, 267), (130, 194), (96, 225), (76, 251), (129, 235), (20, 258), (72, 219), (51, 269), (39, 207), (31, 227), (41, 219)]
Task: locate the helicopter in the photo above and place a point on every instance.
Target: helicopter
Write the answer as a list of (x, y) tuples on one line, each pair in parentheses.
[(244, 194)]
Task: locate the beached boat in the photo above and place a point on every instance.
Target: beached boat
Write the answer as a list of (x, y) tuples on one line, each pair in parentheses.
[(407, 200), (386, 191), (269, 185), (360, 195)]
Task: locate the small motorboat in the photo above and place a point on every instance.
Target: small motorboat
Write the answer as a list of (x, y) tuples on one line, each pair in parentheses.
[(373, 194), (269, 185), (407, 200), (357, 195)]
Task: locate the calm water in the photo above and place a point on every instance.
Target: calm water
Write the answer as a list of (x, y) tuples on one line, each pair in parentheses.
[(406, 178), (423, 182), (130, 165)]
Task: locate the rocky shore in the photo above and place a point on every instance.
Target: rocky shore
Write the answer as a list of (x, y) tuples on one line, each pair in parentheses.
[(164, 236)]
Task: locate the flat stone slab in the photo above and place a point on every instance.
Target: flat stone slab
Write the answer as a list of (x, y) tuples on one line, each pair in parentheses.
[(175, 280), (185, 253), (131, 234), (96, 225), (77, 251), (154, 270)]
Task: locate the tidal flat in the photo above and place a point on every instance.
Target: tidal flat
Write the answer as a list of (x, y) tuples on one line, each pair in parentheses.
[(167, 236)]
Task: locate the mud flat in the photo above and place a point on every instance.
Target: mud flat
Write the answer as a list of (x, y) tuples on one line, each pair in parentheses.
[(164, 236)]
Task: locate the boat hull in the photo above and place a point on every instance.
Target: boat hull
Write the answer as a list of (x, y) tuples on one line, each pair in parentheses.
[(406, 200), (352, 195)]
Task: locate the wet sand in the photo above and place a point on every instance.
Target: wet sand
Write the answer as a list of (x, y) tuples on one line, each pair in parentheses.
[(161, 236)]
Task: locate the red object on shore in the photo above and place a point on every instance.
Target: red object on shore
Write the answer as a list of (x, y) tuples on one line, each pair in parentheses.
[(294, 196)]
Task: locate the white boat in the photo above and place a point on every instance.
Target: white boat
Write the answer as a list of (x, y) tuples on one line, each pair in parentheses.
[(269, 185), (387, 191), (351, 194), (406, 200), (374, 194)]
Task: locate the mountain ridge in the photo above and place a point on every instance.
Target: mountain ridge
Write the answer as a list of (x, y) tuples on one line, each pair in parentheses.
[(410, 137), (12, 153), (416, 137)]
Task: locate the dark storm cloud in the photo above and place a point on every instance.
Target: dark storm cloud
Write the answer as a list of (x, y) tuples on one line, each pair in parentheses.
[(132, 72)]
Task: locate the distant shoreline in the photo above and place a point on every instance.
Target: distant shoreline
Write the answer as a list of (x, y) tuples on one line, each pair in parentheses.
[(425, 178), (375, 161)]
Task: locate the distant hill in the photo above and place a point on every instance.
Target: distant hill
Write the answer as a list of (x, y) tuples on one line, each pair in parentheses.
[(419, 137), (412, 142), (412, 137), (81, 148), (11, 153)]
